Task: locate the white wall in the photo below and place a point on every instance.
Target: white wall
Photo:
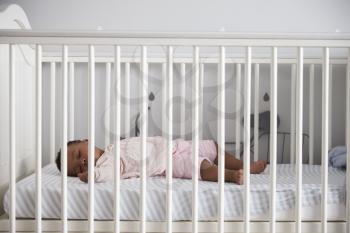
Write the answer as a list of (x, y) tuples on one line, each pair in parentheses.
[(195, 15)]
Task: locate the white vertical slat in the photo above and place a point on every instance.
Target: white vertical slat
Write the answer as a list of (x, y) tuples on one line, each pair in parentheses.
[(238, 109), (247, 104), (311, 113), (201, 95), (164, 96), (256, 111), (221, 139), (12, 139), (38, 136), (348, 144), (127, 100), (183, 99), (195, 138), (169, 170), (108, 103), (117, 71), (52, 111), (330, 106), (273, 140), (64, 137), (299, 137), (71, 101), (144, 125), (292, 116), (325, 136), (91, 149)]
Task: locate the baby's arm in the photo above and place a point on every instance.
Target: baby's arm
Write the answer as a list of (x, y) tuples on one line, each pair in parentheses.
[(100, 176), (103, 172)]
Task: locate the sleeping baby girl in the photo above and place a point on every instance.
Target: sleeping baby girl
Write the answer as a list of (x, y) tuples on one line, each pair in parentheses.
[(130, 155)]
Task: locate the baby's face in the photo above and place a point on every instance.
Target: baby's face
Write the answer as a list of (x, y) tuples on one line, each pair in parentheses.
[(77, 158)]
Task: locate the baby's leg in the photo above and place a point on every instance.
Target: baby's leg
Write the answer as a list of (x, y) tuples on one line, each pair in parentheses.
[(209, 172), (235, 164)]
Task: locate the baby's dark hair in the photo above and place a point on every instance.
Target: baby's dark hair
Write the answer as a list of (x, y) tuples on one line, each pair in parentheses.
[(58, 158)]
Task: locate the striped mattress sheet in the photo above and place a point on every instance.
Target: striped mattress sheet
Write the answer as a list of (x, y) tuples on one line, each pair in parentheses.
[(182, 196)]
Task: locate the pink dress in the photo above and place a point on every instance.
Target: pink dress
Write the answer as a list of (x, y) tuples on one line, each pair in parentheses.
[(156, 147)]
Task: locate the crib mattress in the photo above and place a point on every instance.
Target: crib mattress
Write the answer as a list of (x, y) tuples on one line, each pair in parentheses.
[(182, 197)]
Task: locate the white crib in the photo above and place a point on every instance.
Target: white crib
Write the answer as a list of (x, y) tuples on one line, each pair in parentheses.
[(117, 54)]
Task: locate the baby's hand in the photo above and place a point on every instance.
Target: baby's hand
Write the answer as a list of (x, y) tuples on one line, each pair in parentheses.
[(83, 176)]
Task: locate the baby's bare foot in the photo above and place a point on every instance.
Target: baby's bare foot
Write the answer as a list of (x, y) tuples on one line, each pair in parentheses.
[(238, 176), (257, 167)]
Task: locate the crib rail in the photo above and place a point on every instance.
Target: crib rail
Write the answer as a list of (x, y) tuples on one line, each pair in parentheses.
[(168, 38), (196, 41)]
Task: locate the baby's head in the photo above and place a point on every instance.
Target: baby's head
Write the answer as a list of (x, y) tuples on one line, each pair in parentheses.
[(77, 157)]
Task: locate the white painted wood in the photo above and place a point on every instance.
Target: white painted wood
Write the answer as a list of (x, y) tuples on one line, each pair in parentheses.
[(256, 111), (144, 125), (71, 94), (325, 137), (197, 35), (221, 139), (195, 137), (247, 104), (169, 170), (12, 63), (330, 105), (311, 114), (117, 71), (91, 149), (52, 112), (38, 134), (273, 140), (108, 103), (299, 138), (185, 58), (348, 144), (183, 99), (64, 152), (197, 82), (127, 99), (201, 96), (238, 109), (292, 117), (166, 38), (28, 225), (164, 97)]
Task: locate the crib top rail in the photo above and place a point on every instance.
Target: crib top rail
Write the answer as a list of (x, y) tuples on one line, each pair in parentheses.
[(16, 36)]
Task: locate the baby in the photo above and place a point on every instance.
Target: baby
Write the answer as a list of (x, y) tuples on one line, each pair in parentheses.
[(156, 161)]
